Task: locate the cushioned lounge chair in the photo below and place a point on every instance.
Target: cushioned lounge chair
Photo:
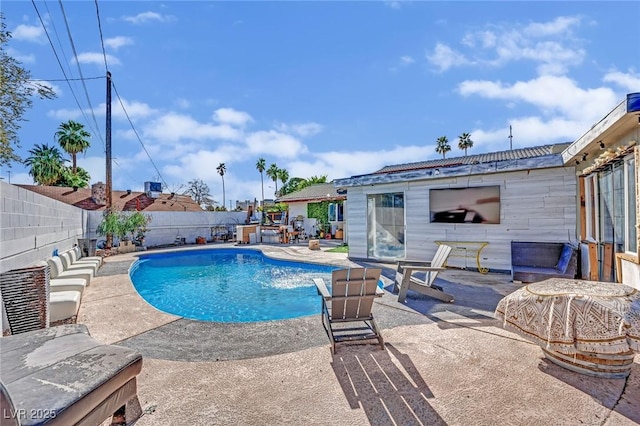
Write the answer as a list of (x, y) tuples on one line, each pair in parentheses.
[(62, 376), (350, 301), (58, 271), (67, 284), (68, 263), (405, 280), (76, 257), (63, 306)]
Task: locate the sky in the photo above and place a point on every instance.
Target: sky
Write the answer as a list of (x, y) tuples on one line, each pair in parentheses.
[(316, 87)]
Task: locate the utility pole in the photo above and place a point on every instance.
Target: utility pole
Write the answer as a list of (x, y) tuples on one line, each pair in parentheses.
[(510, 139), (108, 143)]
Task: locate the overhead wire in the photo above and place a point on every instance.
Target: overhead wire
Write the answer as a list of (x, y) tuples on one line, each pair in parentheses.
[(55, 53), (137, 135), (83, 79), (75, 55)]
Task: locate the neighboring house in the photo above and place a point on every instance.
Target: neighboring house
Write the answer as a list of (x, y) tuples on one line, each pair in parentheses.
[(606, 160), (525, 194), (95, 199), (325, 193)]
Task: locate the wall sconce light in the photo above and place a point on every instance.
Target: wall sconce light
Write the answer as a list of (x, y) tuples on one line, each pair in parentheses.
[(584, 156), (436, 172), (601, 145)]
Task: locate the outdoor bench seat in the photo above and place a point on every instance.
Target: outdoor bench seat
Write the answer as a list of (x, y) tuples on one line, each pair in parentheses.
[(62, 376), (63, 305), (67, 284), (58, 271), (537, 261)]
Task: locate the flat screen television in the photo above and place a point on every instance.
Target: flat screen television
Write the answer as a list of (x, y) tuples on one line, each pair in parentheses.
[(465, 205)]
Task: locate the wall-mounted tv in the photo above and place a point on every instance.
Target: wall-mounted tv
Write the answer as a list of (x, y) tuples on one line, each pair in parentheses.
[(465, 205)]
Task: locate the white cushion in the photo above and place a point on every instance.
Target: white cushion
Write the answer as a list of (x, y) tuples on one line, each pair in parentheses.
[(67, 284), (68, 263), (63, 305)]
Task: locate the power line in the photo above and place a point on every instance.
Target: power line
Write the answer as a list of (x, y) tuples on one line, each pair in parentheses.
[(104, 54), (55, 53), (75, 55), (137, 135), (67, 79)]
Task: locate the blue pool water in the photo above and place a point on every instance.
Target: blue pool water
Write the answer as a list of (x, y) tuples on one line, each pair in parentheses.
[(228, 285)]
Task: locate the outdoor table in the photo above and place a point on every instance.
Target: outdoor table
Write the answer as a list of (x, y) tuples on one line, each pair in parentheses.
[(590, 327)]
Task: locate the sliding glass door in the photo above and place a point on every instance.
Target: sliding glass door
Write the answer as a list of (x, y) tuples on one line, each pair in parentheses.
[(385, 226)]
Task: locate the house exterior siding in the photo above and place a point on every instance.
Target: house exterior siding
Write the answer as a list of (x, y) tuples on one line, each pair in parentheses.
[(535, 205)]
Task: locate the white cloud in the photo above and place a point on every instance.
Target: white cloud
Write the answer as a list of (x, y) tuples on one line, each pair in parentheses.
[(551, 94), (300, 129), (551, 45), (407, 60), (97, 58), (340, 164), (629, 81), (231, 116), (134, 109), (65, 114), (32, 33), (23, 58), (278, 144), (562, 25), (117, 42), (443, 57), (145, 17), (174, 127)]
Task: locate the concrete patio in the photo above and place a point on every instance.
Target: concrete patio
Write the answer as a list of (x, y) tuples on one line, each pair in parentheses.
[(444, 363)]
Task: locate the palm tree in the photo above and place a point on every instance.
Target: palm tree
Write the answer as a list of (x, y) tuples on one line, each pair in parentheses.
[(283, 175), (443, 146), (222, 169), (273, 172), (72, 138), (465, 142), (46, 164), (261, 165)]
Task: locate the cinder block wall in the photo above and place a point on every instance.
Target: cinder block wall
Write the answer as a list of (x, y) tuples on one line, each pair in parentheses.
[(32, 226)]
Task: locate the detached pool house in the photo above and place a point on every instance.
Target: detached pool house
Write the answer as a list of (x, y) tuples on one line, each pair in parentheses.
[(484, 201)]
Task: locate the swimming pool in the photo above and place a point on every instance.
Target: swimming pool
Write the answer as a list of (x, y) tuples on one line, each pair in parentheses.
[(228, 285)]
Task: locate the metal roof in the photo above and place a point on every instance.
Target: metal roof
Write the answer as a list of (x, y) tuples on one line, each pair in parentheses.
[(515, 154)]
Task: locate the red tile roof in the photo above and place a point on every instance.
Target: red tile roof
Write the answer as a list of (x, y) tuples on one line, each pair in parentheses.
[(122, 200)]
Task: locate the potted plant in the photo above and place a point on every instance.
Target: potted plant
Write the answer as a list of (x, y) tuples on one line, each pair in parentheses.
[(125, 226), (109, 226)]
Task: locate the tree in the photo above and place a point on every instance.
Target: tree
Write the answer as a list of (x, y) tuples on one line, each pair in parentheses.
[(222, 169), (79, 179), (465, 142), (296, 184), (443, 146), (199, 192), (72, 138), (273, 172), (261, 165), (283, 175), (16, 91), (46, 164)]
